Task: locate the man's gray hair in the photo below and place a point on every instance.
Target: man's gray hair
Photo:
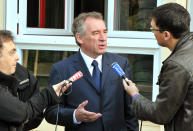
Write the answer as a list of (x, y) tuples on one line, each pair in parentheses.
[(78, 24)]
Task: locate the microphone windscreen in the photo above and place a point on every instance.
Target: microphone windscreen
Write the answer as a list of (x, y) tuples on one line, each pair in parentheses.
[(118, 69), (76, 76)]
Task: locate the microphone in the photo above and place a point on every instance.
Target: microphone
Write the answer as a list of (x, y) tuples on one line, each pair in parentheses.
[(119, 71), (73, 78)]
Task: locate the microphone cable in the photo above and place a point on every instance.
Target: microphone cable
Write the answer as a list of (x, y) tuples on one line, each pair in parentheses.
[(73, 78), (58, 105)]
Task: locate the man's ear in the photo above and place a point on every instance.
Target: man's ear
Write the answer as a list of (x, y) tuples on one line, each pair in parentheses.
[(167, 35), (79, 38)]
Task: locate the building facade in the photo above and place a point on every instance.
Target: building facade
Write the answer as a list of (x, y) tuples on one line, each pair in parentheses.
[(42, 30)]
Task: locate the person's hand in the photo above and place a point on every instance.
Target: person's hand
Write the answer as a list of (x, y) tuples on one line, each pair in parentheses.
[(131, 89), (57, 87), (83, 115)]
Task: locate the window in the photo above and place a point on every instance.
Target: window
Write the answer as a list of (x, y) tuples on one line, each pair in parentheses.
[(45, 14), (142, 72), (39, 63), (48, 17), (131, 18), (50, 14), (133, 15), (45, 17), (89, 5)]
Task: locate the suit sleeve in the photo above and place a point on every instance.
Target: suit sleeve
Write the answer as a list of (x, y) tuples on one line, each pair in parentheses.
[(131, 121), (65, 117)]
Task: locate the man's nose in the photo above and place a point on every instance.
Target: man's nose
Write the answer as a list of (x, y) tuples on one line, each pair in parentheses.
[(16, 57), (103, 36)]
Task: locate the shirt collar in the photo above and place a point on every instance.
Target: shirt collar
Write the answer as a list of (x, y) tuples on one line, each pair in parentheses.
[(88, 60)]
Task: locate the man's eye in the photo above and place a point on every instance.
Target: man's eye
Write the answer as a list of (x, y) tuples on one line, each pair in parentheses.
[(11, 53), (95, 33)]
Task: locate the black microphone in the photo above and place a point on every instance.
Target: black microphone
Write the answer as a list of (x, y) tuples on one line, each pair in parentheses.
[(119, 71)]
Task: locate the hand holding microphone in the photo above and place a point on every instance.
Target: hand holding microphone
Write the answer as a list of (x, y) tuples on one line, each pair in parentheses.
[(131, 89), (58, 88), (129, 86), (73, 78)]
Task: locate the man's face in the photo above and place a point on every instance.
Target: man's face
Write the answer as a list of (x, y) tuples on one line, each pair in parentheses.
[(8, 58), (94, 41), (158, 35)]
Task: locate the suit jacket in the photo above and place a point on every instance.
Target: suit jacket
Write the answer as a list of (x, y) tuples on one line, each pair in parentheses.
[(112, 101)]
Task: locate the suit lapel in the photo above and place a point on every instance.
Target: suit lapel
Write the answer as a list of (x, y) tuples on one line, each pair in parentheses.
[(106, 66), (80, 65)]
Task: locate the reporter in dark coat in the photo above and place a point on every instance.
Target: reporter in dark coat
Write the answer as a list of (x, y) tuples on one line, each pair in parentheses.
[(26, 88), (16, 108), (173, 106)]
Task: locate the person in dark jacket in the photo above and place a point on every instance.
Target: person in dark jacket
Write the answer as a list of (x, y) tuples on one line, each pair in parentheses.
[(19, 107), (173, 107), (28, 86)]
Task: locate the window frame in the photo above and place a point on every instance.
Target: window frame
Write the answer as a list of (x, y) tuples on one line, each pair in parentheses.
[(69, 16), (125, 34), (24, 30), (190, 9)]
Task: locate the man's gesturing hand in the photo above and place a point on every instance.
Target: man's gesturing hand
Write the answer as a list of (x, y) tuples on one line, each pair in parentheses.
[(83, 115)]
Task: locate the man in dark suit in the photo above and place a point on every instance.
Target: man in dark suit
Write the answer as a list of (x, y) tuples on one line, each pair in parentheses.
[(95, 102)]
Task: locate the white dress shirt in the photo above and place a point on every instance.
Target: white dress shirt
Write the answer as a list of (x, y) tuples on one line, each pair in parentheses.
[(88, 60)]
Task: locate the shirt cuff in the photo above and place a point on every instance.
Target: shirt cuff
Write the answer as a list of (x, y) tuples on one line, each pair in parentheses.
[(74, 118), (134, 96)]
